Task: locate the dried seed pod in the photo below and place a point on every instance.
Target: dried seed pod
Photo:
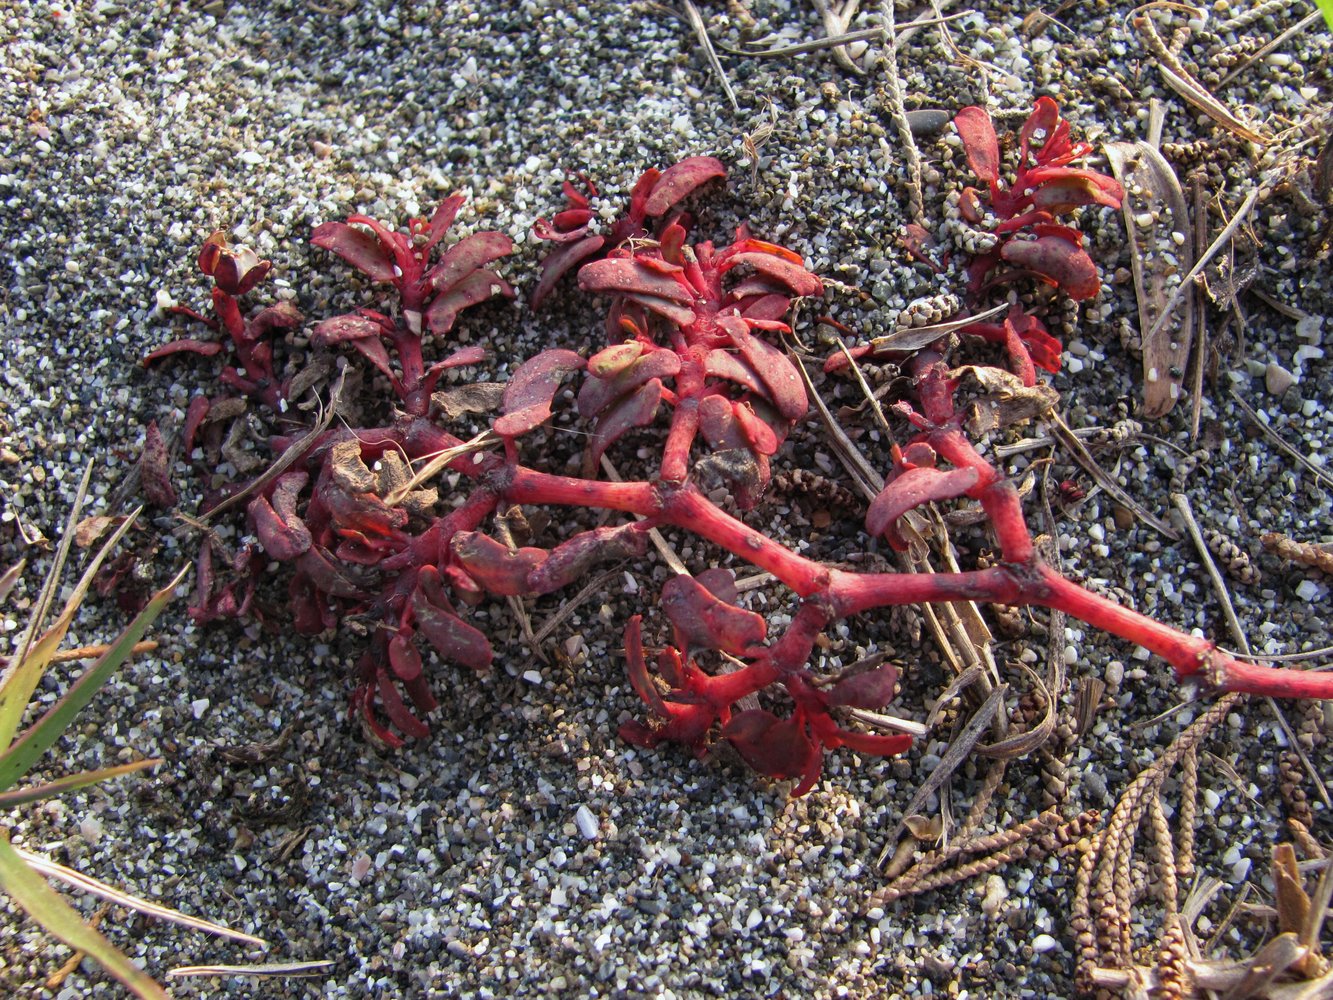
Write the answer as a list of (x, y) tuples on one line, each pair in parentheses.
[(1235, 560), (929, 310), (1118, 433), (814, 487), (1185, 468), (1302, 553)]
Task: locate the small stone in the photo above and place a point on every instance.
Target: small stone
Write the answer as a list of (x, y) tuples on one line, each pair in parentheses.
[(198, 707), (1043, 943), (1277, 380), (586, 822)]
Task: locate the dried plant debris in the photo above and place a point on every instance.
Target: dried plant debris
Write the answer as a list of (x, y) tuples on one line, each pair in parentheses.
[(1158, 229)]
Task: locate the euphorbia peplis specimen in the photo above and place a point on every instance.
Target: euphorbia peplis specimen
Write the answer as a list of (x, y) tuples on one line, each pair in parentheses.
[(691, 327)]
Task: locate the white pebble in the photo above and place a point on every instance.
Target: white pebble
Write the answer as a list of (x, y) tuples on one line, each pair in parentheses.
[(1043, 943), (586, 822), (198, 707)]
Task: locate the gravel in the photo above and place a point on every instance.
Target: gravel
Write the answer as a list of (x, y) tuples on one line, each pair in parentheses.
[(525, 849)]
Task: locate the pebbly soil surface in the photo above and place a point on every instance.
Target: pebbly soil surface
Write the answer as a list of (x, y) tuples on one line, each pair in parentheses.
[(525, 849)]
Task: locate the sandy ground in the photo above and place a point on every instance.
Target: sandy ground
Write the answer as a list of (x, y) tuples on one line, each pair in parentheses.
[(458, 867)]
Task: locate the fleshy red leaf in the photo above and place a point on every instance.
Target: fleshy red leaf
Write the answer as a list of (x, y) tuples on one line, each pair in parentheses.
[(452, 638), (871, 690), (912, 489), (780, 269), (702, 621), (403, 656), (632, 276), (779, 748), (205, 348), (785, 390), (1064, 263), (759, 435), (878, 744), (466, 256), (1061, 189), (443, 218), (637, 667), (282, 533), (598, 394), (634, 410), (1045, 119), (361, 249), (676, 182), (155, 469), (561, 261), (527, 400), (399, 714), (321, 571), (471, 290), (611, 361), (495, 566), (979, 143), (195, 414)]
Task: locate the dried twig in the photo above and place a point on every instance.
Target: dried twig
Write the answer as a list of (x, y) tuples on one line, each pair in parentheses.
[(701, 32)]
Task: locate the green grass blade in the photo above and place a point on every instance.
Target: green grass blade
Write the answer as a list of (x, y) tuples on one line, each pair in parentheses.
[(16, 761), (23, 796), (22, 677), (45, 906), (1327, 7)]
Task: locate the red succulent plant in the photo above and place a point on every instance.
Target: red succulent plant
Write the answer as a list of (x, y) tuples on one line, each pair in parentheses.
[(1022, 214)]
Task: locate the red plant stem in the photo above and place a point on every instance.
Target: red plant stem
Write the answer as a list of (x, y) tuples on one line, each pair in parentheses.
[(676, 453), (523, 485)]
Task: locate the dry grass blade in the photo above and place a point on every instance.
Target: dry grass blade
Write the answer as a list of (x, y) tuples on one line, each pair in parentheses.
[(11, 577), (1178, 78), (959, 750), (1159, 251), (1314, 922), (847, 37), (1271, 961), (37, 617), (265, 970), (92, 886), (1187, 283), (914, 338), (483, 440), (701, 31), (1321, 474), (867, 479), (1084, 458), (836, 22), (92, 652), (1263, 51)]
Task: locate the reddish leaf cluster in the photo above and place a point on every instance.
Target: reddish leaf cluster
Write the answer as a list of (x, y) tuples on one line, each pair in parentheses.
[(654, 196), (704, 616), (1022, 214)]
